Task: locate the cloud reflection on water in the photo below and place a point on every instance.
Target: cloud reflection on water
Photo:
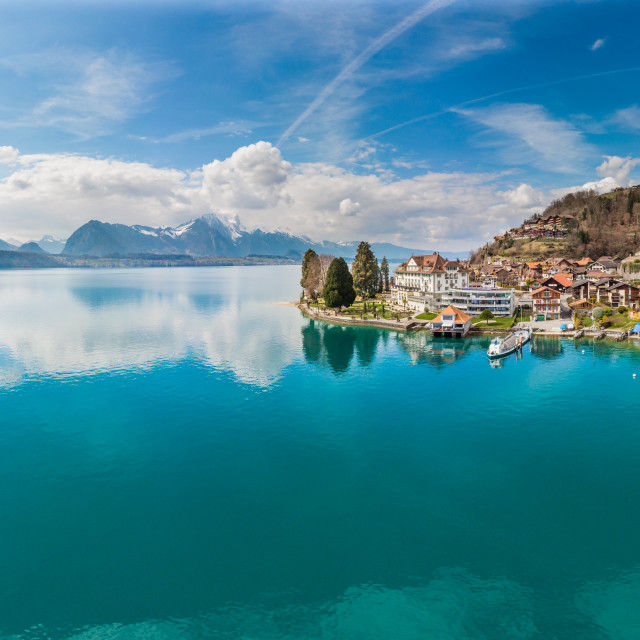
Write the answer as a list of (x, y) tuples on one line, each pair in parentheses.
[(70, 326)]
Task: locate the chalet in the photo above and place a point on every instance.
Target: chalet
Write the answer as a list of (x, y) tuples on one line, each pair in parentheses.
[(583, 262), (582, 305), (451, 323), (604, 265), (558, 282), (546, 303)]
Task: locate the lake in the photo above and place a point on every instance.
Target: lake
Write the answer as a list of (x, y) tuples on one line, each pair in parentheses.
[(182, 457)]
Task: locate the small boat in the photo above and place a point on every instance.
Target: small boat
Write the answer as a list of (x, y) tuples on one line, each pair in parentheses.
[(501, 347)]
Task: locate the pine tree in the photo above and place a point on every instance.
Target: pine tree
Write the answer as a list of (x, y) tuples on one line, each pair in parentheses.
[(380, 278), (306, 261), (384, 269), (338, 289), (364, 269)]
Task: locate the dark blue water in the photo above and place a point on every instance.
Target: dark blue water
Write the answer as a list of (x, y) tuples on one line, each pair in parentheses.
[(182, 458)]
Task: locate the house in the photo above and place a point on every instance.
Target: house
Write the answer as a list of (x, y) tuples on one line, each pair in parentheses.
[(559, 282), (546, 303), (583, 262), (619, 294), (451, 323), (421, 281), (604, 265), (582, 305)]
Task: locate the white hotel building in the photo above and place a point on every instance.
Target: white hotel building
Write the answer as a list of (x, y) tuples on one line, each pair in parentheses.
[(431, 283)]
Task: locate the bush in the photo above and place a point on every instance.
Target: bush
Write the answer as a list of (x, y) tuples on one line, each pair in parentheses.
[(607, 311), (598, 313), (622, 309)]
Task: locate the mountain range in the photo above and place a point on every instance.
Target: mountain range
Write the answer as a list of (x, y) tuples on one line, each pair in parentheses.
[(208, 235)]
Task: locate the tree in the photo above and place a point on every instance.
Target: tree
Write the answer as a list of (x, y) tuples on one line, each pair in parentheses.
[(364, 269), (338, 289), (379, 278), (313, 282), (384, 269), (486, 315), (309, 255)]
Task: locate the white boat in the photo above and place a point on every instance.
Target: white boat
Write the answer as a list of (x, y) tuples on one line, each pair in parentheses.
[(501, 347)]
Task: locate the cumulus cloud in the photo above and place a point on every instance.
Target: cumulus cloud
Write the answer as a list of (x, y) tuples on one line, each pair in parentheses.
[(597, 44), (251, 178), (348, 207), (547, 142), (618, 168), (8, 155), (56, 193), (456, 211), (524, 196), (614, 171)]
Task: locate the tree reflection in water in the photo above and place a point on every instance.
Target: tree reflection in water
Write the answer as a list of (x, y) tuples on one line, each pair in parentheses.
[(335, 345)]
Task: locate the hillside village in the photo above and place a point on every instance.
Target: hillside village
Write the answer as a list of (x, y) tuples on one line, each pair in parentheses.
[(498, 287)]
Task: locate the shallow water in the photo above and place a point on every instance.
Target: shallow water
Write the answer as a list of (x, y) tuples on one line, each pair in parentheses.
[(182, 458)]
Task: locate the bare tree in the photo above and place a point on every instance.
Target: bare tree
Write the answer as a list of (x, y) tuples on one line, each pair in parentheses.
[(325, 260)]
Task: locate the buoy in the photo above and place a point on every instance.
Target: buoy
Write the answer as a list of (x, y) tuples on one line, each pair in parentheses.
[(634, 375), (583, 351)]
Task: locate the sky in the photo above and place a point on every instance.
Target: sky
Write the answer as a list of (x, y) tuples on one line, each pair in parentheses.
[(432, 125)]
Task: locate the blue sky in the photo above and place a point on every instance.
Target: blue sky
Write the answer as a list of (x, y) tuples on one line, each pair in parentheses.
[(430, 124)]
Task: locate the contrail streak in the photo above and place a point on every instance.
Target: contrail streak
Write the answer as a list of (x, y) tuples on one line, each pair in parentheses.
[(363, 57), (460, 105)]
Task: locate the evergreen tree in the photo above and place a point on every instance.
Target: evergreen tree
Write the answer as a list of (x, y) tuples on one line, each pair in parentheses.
[(380, 278), (306, 261), (364, 269), (384, 269), (338, 289)]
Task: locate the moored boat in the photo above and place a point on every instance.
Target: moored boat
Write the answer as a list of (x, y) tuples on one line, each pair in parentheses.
[(501, 347)]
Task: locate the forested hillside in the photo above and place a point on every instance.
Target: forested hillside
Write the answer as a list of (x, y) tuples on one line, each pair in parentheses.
[(595, 225)]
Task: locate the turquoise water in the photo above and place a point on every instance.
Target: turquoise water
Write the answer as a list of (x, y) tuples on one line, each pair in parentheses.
[(182, 458)]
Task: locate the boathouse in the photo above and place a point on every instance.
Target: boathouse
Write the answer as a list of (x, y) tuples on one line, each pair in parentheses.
[(451, 323)]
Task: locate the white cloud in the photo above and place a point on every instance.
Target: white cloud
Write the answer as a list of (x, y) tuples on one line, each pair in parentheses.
[(597, 44), (348, 207), (8, 155), (58, 193), (629, 117), (251, 178), (472, 48), (618, 168), (350, 69), (614, 171), (544, 141), (524, 196), (88, 92)]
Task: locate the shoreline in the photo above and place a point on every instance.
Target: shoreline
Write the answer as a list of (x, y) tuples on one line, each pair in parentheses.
[(411, 324)]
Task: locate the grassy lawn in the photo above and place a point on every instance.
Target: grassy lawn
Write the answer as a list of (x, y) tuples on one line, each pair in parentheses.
[(383, 310), (620, 322), (426, 316), (494, 323), (587, 322)]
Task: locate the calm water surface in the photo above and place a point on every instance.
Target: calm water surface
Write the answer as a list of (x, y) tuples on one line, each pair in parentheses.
[(180, 457)]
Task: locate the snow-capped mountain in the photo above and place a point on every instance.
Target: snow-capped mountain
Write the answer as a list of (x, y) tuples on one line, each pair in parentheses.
[(209, 235)]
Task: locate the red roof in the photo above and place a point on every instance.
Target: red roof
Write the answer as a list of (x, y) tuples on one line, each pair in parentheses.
[(460, 316), (541, 289)]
